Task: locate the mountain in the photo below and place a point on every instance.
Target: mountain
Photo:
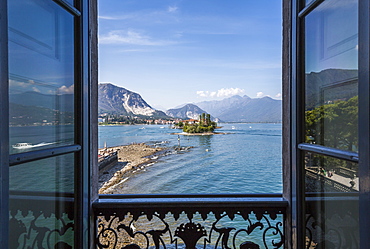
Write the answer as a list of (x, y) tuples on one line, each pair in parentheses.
[(217, 107), (263, 109), (62, 102), (185, 112), (244, 109), (330, 85), (22, 115), (118, 100), (34, 108)]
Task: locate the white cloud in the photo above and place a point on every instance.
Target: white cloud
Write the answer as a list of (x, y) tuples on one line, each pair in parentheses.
[(226, 92), (119, 17), (278, 95), (35, 89), (203, 93), (221, 93), (260, 94), (108, 17), (66, 90), (16, 83), (172, 9), (131, 50), (131, 37)]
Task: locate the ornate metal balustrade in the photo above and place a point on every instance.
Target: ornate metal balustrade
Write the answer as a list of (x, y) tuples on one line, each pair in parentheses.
[(190, 221), (41, 220), (332, 220)]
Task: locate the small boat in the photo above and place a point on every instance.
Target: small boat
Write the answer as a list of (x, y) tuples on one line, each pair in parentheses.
[(22, 146), (233, 127)]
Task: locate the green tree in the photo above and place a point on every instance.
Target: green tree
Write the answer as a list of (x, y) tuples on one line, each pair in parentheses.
[(208, 119), (333, 125)]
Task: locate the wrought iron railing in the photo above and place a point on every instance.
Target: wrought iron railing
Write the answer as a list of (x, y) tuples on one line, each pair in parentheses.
[(41, 220), (332, 220), (190, 221)]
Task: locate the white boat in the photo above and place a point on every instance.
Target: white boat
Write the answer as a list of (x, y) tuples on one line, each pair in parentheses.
[(22, 146)]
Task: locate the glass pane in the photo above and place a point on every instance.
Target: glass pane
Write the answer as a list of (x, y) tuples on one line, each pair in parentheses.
[(308, 1), (54, 174), (332, 186), (331, 75), (327, 174), (41, 79), (70, 1), (41, 203)]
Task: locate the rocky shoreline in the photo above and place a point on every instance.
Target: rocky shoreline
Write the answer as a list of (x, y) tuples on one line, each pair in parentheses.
[(131, 158)]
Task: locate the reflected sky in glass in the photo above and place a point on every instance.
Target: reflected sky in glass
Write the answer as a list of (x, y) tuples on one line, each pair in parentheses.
[(332, 75), (41, 70)]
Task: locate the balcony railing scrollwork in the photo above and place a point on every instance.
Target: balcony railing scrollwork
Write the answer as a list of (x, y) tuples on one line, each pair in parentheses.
[(190, 221), (332, 220), (41, 220)]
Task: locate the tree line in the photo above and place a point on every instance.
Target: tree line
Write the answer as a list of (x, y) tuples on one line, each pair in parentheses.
[(333, 125)]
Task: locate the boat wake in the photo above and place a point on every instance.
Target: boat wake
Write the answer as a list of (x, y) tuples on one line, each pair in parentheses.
[(22, 146)]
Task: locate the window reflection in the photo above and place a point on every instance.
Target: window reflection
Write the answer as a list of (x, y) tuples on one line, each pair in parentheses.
[(331, 120), (327, 174), (308, 1), (54, 174), (41, 79), (332, 187), (331, 75)]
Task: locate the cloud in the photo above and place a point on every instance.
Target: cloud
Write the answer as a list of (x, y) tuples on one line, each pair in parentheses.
[(108, 17), (260, 94), (131, 50), (120, 17), (226, 92), (66, 90), (202, 93), (172, 9), (223, 92), (16, 83), (35, 89), (278, 95), (131, 37)]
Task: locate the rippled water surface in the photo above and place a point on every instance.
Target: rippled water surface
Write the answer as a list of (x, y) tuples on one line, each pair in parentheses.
[(246, 160)]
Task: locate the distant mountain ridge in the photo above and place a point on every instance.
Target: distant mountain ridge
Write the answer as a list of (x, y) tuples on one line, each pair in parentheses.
[(330, 85), (118, 100), (62, 102), (218, 107), (187, 111), (34, 108), (244, 109)]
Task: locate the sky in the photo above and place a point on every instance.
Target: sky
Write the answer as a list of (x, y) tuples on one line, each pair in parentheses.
[(173, 52)]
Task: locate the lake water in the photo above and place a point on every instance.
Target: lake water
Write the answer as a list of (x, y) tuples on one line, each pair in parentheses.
[(246, 160)]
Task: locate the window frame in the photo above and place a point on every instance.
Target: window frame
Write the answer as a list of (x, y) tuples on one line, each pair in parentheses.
[(4, 127), (364, 121), (85, 145), (293, 66)]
